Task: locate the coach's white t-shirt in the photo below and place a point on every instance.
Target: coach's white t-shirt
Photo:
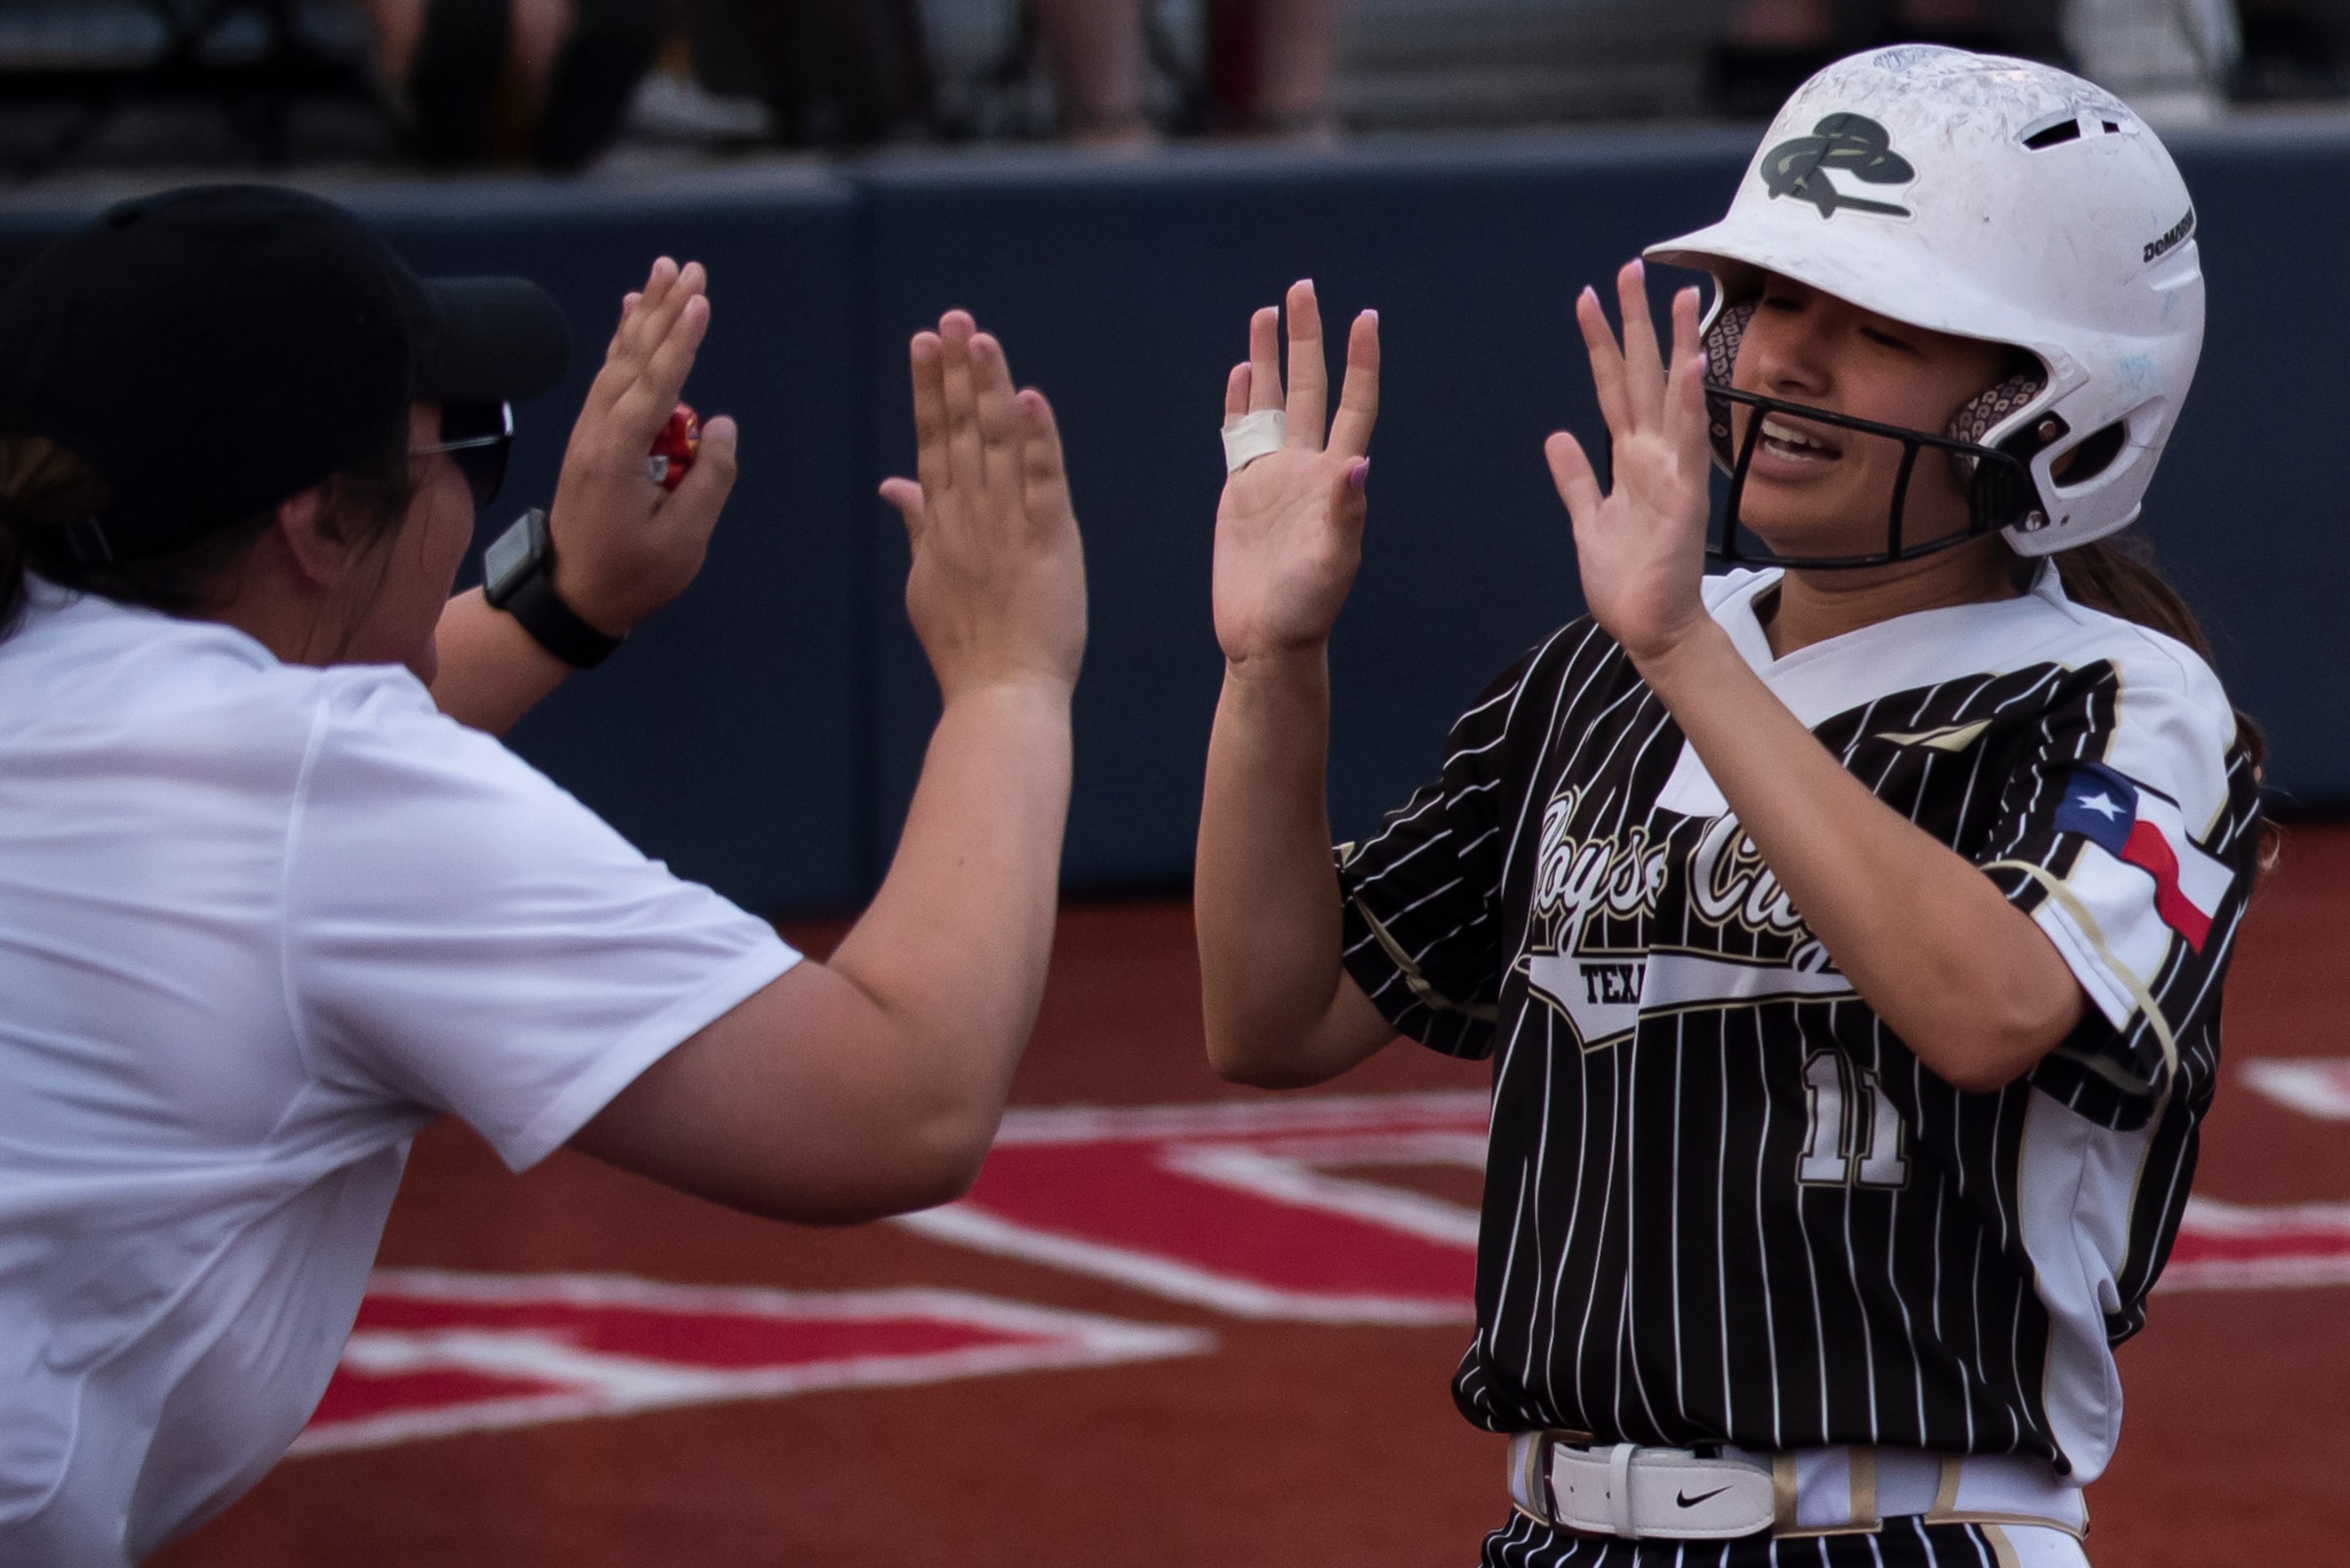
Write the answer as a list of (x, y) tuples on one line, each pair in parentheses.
[(258, 924)]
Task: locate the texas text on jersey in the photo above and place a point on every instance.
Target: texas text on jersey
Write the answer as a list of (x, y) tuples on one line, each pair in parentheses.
[(1723, 1203)]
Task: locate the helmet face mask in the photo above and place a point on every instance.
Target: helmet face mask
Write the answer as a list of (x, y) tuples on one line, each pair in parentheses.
[(1992, 199), (1998, 484), (1996, 480)]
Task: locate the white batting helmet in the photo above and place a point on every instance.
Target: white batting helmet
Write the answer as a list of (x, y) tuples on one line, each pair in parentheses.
[(1995, 199)]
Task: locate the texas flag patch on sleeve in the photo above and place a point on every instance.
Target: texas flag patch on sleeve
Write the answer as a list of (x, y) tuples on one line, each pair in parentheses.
[(2142, 827)]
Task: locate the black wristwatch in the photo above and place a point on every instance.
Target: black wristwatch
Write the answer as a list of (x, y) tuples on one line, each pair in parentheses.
[(518, 577)]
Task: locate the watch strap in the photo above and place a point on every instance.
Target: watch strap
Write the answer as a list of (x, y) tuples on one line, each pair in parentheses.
[(554, 625)]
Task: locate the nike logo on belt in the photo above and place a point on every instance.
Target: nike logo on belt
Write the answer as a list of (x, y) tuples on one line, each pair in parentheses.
[(1686, 1500)]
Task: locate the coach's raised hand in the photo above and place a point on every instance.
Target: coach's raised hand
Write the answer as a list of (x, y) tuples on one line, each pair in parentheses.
[(1289, 528), (872, 1082), (997, 592), (623, 546), (955, 944)]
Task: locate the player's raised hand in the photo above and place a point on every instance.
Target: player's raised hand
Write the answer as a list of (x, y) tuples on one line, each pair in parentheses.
[(997, 592), (1641, 546), (1289, 528), (623, 546)]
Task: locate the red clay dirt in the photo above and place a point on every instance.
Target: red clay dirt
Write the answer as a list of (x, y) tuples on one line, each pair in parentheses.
[(1290, 1443)]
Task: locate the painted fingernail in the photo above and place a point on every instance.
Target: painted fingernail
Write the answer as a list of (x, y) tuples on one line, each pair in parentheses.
[(1373, 317), (1639, 268), (1360, 473), (1589, 292), (1306, 283)]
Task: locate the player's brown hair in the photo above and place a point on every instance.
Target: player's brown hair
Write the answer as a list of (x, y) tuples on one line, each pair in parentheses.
[(2118, 577), (44, 486)]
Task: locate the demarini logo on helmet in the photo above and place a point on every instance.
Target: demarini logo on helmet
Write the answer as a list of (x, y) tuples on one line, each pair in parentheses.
[(1844, 143), (2170, 238)]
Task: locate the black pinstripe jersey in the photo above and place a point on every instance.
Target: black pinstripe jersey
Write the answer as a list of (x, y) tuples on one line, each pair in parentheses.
[(1723, 1201)]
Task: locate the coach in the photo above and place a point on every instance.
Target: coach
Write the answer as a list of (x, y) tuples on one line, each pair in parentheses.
[(271, 899)]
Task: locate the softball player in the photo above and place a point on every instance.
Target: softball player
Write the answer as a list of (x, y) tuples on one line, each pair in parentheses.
[(1848, 931)]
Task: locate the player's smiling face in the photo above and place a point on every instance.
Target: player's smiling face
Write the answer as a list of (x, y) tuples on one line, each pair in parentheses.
[(1820, 490)]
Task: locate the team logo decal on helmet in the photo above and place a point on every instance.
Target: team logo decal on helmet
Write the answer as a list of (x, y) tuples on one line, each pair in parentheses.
[(1851, 143), (2055, 227)]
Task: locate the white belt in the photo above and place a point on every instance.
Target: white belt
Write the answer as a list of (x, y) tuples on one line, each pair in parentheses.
[(1559, 1478)]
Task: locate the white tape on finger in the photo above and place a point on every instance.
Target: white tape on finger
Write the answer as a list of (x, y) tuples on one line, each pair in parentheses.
[(1248, 437)]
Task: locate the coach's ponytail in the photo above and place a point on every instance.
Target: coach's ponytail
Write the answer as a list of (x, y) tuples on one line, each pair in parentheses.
[(2118, 577), (42, 486), (11, 581)]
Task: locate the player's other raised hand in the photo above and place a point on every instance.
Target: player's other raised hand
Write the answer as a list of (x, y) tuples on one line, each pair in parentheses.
[(997, 592), (623, 546), (1289, 528), (1641, 546)]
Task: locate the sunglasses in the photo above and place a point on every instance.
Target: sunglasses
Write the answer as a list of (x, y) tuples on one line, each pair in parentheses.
[(478, 438)]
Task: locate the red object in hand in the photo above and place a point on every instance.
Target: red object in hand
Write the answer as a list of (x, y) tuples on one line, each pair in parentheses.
[(675, 448)]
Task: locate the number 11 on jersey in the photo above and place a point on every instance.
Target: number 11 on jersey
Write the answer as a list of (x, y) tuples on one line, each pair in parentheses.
[(1841, 1146)]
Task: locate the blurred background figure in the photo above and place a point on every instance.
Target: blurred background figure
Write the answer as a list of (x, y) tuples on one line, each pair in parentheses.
[(2293, 49), (1773, 44), (148, 81), (1264, 67), (829, 72), (1096, 50), (1269, 66), (2177, 56), (544, 81), (559, 84)]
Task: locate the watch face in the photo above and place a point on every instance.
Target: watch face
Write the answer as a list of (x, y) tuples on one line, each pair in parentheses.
[(513, 555)]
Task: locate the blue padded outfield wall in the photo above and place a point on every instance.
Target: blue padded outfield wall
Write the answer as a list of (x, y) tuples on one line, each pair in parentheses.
[(763, 734)]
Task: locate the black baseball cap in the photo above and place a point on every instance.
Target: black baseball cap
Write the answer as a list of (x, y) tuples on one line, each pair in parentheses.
[(212, 350)]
